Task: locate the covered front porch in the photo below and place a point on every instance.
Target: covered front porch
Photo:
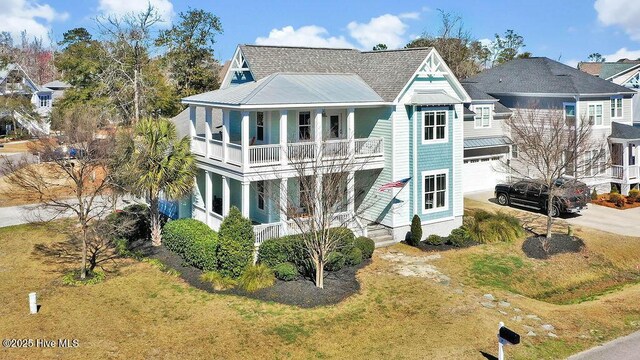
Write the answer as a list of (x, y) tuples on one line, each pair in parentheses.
[(625, 151), (271, 205)]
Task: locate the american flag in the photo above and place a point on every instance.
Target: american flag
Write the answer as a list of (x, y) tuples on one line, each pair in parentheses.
[(395, 184)]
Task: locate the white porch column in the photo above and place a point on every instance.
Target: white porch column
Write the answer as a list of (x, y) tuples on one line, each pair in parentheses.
[(317, 132), (284, 204), (207, 130), (208, 189), (244, 129), (625, 162), (225, 134), (351, 193), (351, 134), (245, 198), (283, 137), (192, 124), (226, 201)]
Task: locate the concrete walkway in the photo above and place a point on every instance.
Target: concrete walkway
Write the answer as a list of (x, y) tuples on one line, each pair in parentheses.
[(621, 222), (624, 348)]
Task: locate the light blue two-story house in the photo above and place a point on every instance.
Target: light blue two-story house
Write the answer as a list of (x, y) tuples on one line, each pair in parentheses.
[(398, 114)]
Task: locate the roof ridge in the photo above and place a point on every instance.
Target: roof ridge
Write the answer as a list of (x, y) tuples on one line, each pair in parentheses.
[(300, 47), (396, 50)]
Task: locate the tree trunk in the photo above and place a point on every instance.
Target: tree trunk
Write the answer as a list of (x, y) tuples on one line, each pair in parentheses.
[(83, 270), (319, 274), (156, 236), (549, 217), (136, 97)]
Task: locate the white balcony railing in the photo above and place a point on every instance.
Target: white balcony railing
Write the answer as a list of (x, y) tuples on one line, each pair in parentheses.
[(215, 149), (267, 231), (301, 151), (235, 154), (264, 154), (633, 172), (199, 146), (617, 171), (369, 146), (336, 148)]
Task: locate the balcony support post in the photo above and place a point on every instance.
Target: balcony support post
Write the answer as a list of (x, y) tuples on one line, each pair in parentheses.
[(225, 134), (226, 201), (208, 189), (245, 198), (207, 130), (283, 137), (351, 137), (244, 142)]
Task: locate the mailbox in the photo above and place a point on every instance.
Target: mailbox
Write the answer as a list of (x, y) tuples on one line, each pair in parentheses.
[(509, 335)]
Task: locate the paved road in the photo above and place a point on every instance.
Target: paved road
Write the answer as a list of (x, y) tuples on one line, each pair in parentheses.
[(622, 222), (624, 348)]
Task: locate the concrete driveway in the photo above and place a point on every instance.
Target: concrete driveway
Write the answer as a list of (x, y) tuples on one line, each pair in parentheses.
[(621, 222), (624, 348)]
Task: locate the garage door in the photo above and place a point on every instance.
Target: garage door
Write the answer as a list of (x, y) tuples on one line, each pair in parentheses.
[(482, 174)]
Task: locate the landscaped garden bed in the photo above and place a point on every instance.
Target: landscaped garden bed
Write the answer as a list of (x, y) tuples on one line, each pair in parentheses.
[(617, 201), (539, 247)]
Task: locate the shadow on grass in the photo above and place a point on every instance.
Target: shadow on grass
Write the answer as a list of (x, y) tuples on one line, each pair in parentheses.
[(488, 356)]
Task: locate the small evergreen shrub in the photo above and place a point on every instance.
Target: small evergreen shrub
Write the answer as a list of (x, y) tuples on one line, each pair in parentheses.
[(236, 244), (594, 194), (280, 250), (218, 281), (256, 277), (344, 238), (634, 195), (617, 199), (434, 239), (416, 231), (286, 271), (614, 189), (353, 257), (366, 245), (194, 241), (459, 237), (335, 261)]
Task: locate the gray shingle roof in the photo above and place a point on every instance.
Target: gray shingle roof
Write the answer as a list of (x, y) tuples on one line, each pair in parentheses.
[(386, 72), (540, 75), (475, 93), (501, 109), (623, 131), (296, 88), (608, 70), (483, 142)]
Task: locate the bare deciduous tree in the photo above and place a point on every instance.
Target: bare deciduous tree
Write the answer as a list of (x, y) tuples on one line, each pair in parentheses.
[(71, 180), (551, 146)]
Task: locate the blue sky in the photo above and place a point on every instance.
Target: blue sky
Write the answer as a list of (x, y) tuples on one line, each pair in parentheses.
[(568, 30)]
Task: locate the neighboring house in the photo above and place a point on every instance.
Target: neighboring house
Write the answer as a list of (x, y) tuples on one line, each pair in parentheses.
[(546, 84), (398, 113), (58, 87), (624, 72), (14, 81)]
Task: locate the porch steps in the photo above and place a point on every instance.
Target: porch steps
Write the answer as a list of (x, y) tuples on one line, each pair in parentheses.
[(380, 234)]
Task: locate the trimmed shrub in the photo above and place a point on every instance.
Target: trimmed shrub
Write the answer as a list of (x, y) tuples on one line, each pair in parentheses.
[(344, 238), (459, 237), (434, 239), (256, 277), (614, 189), (218, 281), (335, 261), (285, 249), (594, 194), (416, 231), (366, 245), (286, 271), (236, 244), (354, 256), (194, 241), (634, 195), (617, 199)]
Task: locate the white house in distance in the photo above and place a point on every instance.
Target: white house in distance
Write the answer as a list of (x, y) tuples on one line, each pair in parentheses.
[(398, 113)]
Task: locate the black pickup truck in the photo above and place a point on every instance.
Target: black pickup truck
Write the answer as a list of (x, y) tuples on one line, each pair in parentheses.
[(572, 196)]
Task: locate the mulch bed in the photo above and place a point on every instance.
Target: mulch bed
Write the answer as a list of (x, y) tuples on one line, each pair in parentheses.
[(338, 285), (444, 247), (603, 200), (558, 244)]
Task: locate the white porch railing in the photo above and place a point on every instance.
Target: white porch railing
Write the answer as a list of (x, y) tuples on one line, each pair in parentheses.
[(617, 171), (267, 231), (215, 149), (199, 213), (264, 154), (199, 145), (369, 146), (235, 153), (336, 148), (301, 151), (216, 220)]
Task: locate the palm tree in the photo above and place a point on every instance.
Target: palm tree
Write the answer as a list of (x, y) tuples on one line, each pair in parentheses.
[(152, 160)]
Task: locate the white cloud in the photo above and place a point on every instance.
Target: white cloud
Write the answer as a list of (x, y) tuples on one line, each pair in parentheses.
[(122, 7), (386, 29), (623, 13), (35, 18), (312, 35), (415, 15), (623, 53)]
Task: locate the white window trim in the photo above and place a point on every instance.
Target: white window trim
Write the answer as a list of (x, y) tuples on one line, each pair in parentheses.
[(264, 196), (446, 127), (595, 105), (446, 194), (621, 107), (564, 110), (298, 125), (479, 116)]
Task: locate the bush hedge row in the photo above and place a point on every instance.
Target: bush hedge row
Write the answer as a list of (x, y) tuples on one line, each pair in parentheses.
[(194, 241)]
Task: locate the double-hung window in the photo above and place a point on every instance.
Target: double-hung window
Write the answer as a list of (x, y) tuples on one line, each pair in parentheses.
[(595, 115), (260, 191), (570, 114), (616, 107), (435, 190), (483, 116), (44, 100), (304, 125), (435, 126), (595, 162), (260, 126)]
